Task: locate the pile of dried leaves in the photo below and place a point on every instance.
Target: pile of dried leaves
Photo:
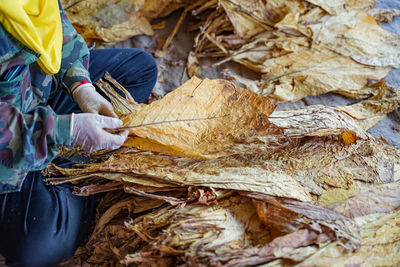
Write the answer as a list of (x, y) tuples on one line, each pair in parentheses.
[(301, 48), (212, 175), (117, 20)]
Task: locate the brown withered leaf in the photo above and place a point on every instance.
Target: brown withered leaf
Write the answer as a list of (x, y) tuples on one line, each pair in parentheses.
[(245, 26), (153, 9), (313, 72), (380, 245), (267, 13), (384, 15), (107, 21), (306, 72), (376, 212), (186, 123), (379, 199), (306, 169), (368, 112), (113, 21), (285, 215), (350, 34), (228, 233), (192, 66)]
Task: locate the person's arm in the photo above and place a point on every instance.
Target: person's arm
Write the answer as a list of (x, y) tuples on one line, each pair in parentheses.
[(28, 141), (75, 57), (74, 74)]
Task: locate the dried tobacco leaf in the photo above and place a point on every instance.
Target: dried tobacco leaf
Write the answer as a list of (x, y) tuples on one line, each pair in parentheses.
[(376, 212), (306, 169), (337, 7), (244, 25), (316, 120), (186, 123), (313, 72), (379, 199), (380, 245), (305, 48), (306, 72), (350, 34), (384, 15), (107, 21), (200, 234), (228, 234), (122, 104), (368, 112), (153, 9), (285, 215), (193, 68)]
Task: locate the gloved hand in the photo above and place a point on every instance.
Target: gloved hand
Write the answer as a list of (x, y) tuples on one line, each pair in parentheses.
[(90, 101), (87, 131)]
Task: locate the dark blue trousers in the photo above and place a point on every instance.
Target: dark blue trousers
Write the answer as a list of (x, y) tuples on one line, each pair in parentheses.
[(43, 225)]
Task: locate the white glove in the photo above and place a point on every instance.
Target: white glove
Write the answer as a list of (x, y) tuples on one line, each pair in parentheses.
[(87, 131), (90, 101)]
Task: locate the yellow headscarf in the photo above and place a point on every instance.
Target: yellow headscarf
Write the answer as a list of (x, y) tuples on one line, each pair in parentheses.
[(37, 25)]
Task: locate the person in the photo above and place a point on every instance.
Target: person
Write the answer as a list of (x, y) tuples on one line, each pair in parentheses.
[(47, 100)]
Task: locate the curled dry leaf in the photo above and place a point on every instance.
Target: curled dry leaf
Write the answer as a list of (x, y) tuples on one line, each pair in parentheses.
[(303, 48), (314, 72), (192, 66), (376, 212), (384, 15), (380, 245), (369, 111), (380, 199), (284, 215)]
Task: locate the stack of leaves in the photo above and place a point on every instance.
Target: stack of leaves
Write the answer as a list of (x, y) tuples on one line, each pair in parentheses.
[(212, 175), (301, 48), (117, 20)]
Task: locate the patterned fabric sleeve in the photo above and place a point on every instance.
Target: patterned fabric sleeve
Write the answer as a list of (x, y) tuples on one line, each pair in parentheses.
[(29, 136), (28, 141), (75, 57)]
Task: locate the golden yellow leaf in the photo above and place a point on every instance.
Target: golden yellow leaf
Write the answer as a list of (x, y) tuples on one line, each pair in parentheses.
[(193, 118)]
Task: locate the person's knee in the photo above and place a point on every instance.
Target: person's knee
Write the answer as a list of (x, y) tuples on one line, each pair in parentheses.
[(148, 65), (39, 251), (35, 236), (140, 79)]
